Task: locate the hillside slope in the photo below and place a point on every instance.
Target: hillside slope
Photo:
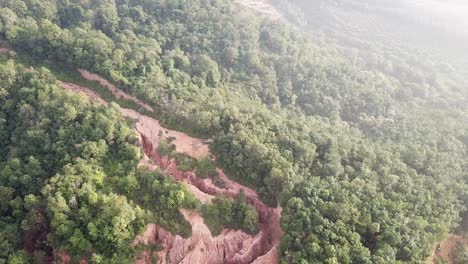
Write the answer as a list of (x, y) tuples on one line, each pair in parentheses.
[(201, 246), (366, 155)]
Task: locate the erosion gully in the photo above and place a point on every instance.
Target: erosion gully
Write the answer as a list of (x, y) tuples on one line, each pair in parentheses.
[(231, 246)]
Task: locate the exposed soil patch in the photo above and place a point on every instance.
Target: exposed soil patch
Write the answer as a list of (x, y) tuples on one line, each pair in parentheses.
[(231, 246), (119, 94), (80, 89), (203, 197), (202, 247), (5, 49), (152, 129), (445, 248), (62, 257), (271, 256)]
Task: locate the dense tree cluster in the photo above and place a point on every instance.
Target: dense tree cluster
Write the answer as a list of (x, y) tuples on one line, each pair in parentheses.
[(460, 254), (229, 213), (367, 154), (203, 167), (68, 176)]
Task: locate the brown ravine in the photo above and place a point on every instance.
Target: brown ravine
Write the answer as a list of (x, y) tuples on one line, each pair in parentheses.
[(231, 246)]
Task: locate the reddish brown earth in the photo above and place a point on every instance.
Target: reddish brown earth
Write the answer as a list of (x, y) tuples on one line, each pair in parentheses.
[(230, 246), (446, 248), (63, 258), (79, 89), (270, 257), (113, 89), (6, 49), (151, 128)]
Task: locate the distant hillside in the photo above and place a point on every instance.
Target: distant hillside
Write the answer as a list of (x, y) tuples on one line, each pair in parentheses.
[(438, 29)]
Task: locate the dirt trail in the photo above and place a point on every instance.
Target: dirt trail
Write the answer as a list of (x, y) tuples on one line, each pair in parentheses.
[(150, 127), (263, 7), (88, 92), (230, 246), (113, 89)]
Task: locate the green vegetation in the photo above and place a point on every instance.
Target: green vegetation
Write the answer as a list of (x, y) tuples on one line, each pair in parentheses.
[(185, 162), (423, 42), (69, 178), (366, 152), (229, 213), (158, 193), (460, 254), (166, 148), (206, 168), (65, 73)]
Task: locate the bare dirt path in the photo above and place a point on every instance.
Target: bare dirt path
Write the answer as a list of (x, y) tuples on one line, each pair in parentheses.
[(94, 96), (231, 246), (5, 49), (113, 89)]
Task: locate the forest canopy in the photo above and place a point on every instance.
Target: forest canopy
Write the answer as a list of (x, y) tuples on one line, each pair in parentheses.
[(68, 176), (367, 158)]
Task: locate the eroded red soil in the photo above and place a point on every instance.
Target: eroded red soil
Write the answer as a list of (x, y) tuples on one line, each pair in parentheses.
[(446, 248), (231, 246), (152, 129), (4, 50), (79, 89)]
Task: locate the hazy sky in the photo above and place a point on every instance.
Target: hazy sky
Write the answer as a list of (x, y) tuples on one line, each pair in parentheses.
[(453, 12)]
